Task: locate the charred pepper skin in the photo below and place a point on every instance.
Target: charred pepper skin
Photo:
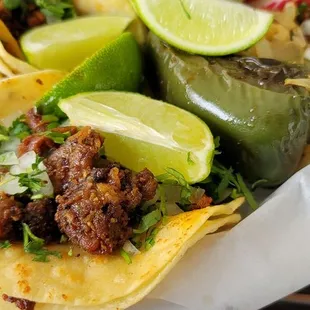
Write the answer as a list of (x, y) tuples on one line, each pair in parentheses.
[(263, 124)]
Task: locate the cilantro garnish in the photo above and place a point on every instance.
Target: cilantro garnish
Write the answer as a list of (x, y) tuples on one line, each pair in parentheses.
[(49, 118), (19, 128), (63, 239), (54, 10), (150, 240), (34, 245), (4, 135), (175, 177), (5, 245), (30, 179), (148, 221), (12, 4), (217, 145), (126, 256), (57, 137), (70, 252), (246, 192), (223, 183)]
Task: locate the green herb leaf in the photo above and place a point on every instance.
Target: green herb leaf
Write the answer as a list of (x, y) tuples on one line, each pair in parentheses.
[(37, 197), (148, 221), (34, 245), (163, 201), (224, 183), (4, 134), (52, 125), (70, 252), (150, 241), (247, 194), (126, 256), (49, 118), (258, 183), (19, 128), (63, 239), (57, 137), (217, 142), (55, 10), (12, 4), (5, 245)]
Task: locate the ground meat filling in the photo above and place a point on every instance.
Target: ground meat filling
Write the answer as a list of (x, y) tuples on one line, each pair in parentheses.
[(92, 217), (40, 217), (74, 160), (93, 206), (203, 202), (18, 22), (95, 214), (22, 304), (10, 214)]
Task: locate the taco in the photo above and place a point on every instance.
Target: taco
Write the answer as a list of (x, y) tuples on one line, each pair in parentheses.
[(79, 231)]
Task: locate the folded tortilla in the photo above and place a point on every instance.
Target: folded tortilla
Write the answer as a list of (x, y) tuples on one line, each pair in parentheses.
[(101, 282), (19, 93)]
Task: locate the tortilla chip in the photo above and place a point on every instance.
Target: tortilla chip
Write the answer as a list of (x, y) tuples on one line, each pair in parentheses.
[(9, 42), (19, 93), (107, 282)]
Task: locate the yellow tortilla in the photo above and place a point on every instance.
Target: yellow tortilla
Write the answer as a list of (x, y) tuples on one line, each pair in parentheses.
[(19, 93), (107, 282), (15, 65)]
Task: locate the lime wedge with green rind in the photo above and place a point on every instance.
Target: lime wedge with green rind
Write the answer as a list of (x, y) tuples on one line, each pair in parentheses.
[(141, 132), (206, 27), (65, 45), (117, 66)]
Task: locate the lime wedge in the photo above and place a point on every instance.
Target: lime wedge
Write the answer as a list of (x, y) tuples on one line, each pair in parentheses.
[(64, 45), (116, 66), (141, 132), (206, 27)]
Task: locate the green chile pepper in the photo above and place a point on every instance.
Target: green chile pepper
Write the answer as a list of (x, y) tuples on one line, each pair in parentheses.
[(263, 124)]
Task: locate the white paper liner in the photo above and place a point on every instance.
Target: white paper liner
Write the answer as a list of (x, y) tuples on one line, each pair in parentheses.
[(261, 260)]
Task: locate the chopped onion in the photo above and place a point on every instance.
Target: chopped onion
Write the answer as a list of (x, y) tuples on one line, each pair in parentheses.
[(11, 145), (197, 194), (10, 185), (25, 163), (8, 159), (305, 27), (130, 248), (25, 166), (173, 209)]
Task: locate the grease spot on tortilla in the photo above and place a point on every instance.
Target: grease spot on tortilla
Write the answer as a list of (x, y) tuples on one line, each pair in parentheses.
[(24, 286), (23, 270)]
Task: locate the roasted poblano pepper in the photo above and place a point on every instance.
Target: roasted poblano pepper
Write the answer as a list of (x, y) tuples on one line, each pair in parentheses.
[(263, 124)]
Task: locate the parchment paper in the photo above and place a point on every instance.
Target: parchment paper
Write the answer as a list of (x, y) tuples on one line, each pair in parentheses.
[(262, 259)]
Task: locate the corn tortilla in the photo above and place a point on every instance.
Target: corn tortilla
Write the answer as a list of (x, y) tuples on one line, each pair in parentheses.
[(107, 282)]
